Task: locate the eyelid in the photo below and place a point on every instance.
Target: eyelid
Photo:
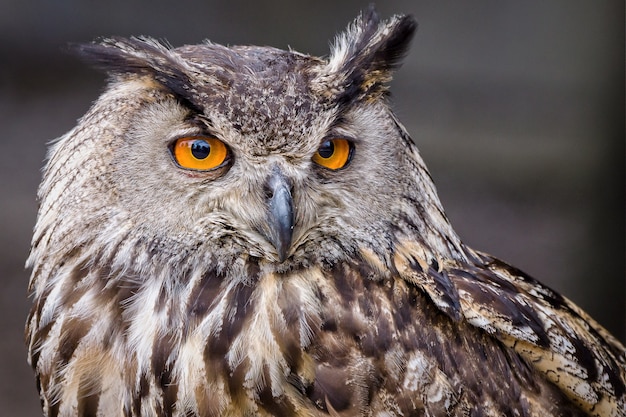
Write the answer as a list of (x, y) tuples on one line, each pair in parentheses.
[(339, 132)]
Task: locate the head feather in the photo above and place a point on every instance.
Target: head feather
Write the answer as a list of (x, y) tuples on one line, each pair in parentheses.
[(142, 56), (364, 56)]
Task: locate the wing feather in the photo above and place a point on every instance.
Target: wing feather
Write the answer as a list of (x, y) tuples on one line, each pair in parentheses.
[(550, 332)]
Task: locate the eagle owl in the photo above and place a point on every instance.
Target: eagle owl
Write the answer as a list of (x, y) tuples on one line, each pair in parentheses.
[(243, 231)]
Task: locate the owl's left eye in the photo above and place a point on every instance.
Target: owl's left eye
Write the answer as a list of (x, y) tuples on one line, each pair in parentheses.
[(199, 153), (334, 153)]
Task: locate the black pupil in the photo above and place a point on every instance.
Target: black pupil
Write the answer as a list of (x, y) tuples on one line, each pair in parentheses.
[(200, 149), (327, 149)]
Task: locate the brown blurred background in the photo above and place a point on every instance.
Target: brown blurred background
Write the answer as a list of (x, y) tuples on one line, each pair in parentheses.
[(518, 109)]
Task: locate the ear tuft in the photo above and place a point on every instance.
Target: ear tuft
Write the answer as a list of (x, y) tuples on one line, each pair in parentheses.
[(142, 56), (118, 56), (365, 55)]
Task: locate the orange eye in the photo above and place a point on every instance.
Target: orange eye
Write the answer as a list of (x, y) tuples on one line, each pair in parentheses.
[(334, 153), (199, 153)]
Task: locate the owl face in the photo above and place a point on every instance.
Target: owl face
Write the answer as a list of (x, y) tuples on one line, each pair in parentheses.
[(256, 151), (271, 200)]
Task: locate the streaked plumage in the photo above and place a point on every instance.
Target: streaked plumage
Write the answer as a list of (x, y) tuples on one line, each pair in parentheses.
[(269, 284)]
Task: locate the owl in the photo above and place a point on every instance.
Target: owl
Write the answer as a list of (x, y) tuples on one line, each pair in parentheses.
[(247, 231)]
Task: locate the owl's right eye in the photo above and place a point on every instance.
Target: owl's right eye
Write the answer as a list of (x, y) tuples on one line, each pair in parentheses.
[(199, 153)]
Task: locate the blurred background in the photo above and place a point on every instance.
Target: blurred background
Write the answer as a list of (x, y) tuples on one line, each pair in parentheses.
[(517, 107)]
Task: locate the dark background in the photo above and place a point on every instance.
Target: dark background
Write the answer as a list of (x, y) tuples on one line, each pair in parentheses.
[(517, 107)]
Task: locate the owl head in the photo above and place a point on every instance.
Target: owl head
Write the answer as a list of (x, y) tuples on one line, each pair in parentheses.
[(241, 151)]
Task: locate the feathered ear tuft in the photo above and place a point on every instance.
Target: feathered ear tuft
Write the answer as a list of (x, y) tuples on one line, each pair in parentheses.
[(120, 57), (365, 55)]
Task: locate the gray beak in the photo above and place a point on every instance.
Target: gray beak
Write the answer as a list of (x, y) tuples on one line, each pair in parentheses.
[(279, 212)]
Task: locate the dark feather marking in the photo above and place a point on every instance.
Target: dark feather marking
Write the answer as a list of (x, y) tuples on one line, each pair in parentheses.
[(88, 397), (298, 382), (434, 265), (36, 310), (291, 309), (162, 301), (372, 63), (446, 291), (584, 354), (365, 271), (521, 371), (368, 306), (402, 311), (376, 342), (253, 269), (415, 265), (68, 296), (243, 306), (330, 386), (343, 284), (392, 49), (53, 409), (612, 370), (144, 392), (204, 295), (142, 58), (329, 324), (162, 364), (480, 283), (237, 378), (289, 340), (108, 55), (275, 406), (73, 330), (440, 287), (43, 385), (486, 277), (585, 358), (352, 326), (40, 334), (144, 386), (239, 311), (553, 298), (120, 293), (72, 333)]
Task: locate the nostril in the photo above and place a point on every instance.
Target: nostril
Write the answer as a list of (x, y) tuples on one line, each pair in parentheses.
[(277, 183)]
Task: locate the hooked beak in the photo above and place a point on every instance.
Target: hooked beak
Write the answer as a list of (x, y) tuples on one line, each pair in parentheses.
[(279, 212)]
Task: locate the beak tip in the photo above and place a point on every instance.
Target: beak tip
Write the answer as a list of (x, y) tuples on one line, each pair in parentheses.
[(282, 242)]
